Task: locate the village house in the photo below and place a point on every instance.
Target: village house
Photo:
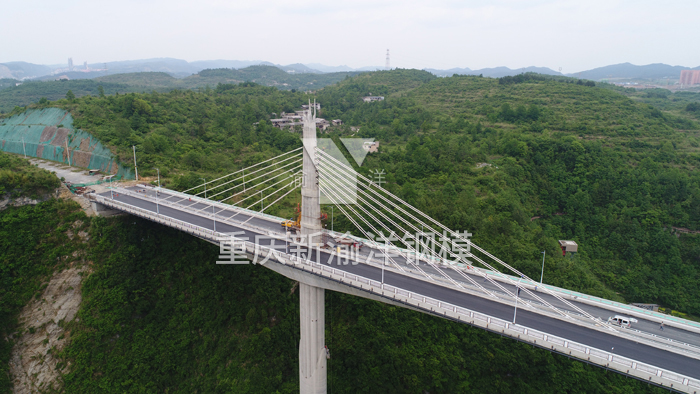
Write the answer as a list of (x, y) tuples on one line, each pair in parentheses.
[(369, 99), (370, 146)]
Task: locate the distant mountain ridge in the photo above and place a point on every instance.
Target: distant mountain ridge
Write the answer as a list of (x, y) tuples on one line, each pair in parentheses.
[(496, 72), (631, 71), (181, 68)]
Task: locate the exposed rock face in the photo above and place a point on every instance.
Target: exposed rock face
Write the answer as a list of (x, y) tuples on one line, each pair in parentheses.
[(33, 361), (18, 202)]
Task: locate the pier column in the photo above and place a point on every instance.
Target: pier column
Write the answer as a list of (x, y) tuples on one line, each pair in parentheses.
[(312, 352)]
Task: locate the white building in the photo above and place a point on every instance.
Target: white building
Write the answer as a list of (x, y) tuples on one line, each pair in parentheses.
[(369, 99)]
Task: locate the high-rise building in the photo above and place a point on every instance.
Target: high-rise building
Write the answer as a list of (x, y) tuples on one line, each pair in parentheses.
[(70, 64), (690, 77)]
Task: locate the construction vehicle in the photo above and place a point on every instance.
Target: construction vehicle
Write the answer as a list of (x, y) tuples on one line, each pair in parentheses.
[(293, 224)]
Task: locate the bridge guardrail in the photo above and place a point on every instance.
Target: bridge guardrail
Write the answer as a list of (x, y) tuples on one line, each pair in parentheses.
[(625, 365), (221, 205)]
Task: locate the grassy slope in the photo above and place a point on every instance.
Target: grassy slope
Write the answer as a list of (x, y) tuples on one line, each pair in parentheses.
[(18, 178)]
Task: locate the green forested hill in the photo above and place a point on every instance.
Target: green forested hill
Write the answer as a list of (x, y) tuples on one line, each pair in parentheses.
[(30, 92), (615, 173), (7, 82), (266, 76)]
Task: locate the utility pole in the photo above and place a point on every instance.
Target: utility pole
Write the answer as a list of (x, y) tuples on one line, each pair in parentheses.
[(67, 151), (24, 148), (157, 207), (386, 252), (136, 170), (517, 291), (542, 275), (213, 214)]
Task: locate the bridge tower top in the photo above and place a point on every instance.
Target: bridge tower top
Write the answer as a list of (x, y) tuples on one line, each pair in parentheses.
[(310, 194)]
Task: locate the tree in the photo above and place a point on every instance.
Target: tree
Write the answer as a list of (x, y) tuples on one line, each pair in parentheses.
[(70, 96), (101, 91), (123, 129)]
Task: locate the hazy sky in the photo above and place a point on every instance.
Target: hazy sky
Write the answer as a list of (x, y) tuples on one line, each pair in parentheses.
[(575, 35)]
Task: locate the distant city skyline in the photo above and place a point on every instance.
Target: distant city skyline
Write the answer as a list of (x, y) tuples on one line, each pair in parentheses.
[(439, 34)]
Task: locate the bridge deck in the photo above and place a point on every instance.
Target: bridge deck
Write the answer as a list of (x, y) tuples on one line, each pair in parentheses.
[(680, 356)]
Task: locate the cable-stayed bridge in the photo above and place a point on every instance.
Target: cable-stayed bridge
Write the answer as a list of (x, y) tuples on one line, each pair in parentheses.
[(403, 257)]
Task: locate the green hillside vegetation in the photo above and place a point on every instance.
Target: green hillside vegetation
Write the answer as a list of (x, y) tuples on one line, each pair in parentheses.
[(266, 76), (7, 82), (568, 161), (142, 80), (18, 177), (32, 92), (33, 244), (684, 103), (187, 134)]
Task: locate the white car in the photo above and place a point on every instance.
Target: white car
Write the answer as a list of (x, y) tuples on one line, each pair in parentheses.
[(622, 321)]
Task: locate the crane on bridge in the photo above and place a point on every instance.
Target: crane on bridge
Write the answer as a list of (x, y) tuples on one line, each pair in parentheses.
[(294, 224)]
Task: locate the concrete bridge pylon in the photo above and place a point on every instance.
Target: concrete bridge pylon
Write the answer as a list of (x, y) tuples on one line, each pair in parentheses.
[(312, 346)]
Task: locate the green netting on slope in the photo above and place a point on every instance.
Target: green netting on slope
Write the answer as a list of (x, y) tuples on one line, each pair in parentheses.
[(49, 134)]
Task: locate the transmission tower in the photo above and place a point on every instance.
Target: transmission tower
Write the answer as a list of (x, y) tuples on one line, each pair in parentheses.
[(388, 64)]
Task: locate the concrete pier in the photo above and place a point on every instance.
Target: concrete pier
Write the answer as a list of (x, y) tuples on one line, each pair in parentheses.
[(312, 352)]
